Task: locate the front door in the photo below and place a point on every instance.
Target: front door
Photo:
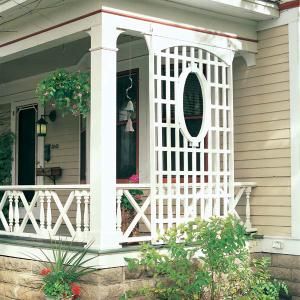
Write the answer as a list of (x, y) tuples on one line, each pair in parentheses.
[(26, 146)]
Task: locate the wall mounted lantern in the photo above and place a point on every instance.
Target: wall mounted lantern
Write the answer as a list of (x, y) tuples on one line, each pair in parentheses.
[(41, 124)]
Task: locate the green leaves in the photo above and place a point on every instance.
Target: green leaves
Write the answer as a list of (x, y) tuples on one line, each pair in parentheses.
[(67, 92), (67, 267), (6, 157), (206, 260)]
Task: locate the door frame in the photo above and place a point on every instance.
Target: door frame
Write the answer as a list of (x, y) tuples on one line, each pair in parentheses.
[(39, 157)]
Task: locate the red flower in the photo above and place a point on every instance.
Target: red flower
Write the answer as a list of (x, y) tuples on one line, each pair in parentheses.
[(45, 271), (75, 289), (134, 178), (138, 197)]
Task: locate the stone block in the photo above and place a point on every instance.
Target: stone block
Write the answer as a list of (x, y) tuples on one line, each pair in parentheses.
[(296, 275), (294, 288), (24, 293), (258, 255), (286, 261), (281, 273), (18, 265), (107, 276), (137, 274)]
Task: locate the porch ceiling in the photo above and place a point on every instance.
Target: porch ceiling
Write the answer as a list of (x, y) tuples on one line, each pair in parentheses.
[(62, 56), (256, 10), (44, 61)]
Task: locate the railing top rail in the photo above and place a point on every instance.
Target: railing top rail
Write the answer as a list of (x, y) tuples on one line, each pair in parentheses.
[(245, 184), (44, 187), (132, 186)]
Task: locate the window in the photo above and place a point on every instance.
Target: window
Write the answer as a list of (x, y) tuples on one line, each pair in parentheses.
[(127, 142)]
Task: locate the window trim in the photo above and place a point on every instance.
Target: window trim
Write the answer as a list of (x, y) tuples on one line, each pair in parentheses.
[(206, 105)]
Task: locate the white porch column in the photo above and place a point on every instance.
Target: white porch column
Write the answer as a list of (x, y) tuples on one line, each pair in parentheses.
[(294, 61), (103, 136)]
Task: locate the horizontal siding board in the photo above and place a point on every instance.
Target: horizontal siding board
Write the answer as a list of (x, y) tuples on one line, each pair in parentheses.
[(273, 60), (271, 201), (273, 51), (263, 145), (265, 163), (262, 80), (262, 108), (276, 221), (262, 136), (262, 154), (264, 98), (274, 41), (271, 33), (257, 71), (256, 127), (262, 172), (274, 181), (265, 117), (269, 88)]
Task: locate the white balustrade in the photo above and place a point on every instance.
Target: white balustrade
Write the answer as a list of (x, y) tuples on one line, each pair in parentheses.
[(163, 216), (139, 216), (64, 211), (244, 189), (49, 214)]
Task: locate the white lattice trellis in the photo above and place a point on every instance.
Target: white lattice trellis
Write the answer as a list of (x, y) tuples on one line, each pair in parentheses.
[(193, 176)]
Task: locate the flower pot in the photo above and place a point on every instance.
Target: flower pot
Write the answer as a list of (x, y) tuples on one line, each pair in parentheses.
[(127, 218)]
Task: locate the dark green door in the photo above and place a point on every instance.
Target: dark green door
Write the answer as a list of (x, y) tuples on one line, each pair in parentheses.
[(26, 148)]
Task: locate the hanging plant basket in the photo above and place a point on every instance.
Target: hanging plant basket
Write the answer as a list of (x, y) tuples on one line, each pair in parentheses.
[(67, 92)]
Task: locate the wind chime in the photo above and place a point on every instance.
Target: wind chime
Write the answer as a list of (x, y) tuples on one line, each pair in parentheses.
[(129, 107)]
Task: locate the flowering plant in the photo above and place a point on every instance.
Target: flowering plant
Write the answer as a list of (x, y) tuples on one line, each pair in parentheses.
[(136, 194), (60, 277), (66, 92)]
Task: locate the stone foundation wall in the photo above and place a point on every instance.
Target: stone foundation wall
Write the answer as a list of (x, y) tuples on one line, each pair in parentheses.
[(287, 269), (19, 280)]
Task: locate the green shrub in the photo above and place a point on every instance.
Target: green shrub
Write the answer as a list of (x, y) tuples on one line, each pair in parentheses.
[(6, 157), (6, 160), (206, 260)]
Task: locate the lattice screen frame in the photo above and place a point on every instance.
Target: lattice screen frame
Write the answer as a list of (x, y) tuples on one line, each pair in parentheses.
[(205, 189)]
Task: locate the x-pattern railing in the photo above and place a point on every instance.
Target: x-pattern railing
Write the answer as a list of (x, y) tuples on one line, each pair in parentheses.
[(139, 213), (46, 215)]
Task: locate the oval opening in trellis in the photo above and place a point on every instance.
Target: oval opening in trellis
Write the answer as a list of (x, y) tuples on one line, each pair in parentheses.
[(193, 104)]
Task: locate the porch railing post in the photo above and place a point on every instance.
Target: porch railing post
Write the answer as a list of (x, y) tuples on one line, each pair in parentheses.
[(103, 136)]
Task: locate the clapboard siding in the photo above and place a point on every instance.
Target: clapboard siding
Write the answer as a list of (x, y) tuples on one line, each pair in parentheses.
[(262, 131), (64, 131)]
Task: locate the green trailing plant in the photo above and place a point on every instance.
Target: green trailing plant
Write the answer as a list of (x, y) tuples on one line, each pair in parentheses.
[(6, 157), (6, 160), (61, 275), (135, 193), (68, 92), (205, 260)]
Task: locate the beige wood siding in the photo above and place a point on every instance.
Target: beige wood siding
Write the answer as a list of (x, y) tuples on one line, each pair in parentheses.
[(262, 131), (64, 131)]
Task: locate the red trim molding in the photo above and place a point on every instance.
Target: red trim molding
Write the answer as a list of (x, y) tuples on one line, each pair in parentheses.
[(289, 5), (150, 20)]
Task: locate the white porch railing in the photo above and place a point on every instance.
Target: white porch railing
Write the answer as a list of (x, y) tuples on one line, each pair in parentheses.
[(54, 211), (142, 211), (64, 211), (244, 189)]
